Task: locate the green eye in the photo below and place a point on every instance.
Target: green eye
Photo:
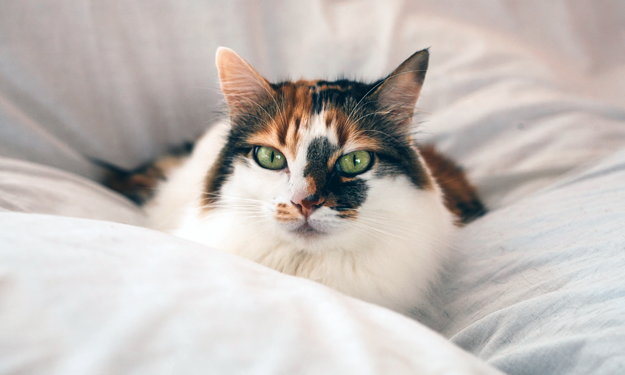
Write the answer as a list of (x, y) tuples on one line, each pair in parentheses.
[(354, 163), (269, 158)]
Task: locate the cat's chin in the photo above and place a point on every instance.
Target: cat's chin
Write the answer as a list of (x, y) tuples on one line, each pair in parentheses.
[(307, 232)]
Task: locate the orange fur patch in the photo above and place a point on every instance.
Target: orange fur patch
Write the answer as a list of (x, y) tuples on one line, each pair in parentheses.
[(283, 131), (330, 201), (286, 213), (348, 214), (311, 185), (460, 196)]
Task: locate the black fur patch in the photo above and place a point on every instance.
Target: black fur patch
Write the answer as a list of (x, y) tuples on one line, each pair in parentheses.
[(470, 211), (350, 194), (236, 147), (318, 153), (339, 93)]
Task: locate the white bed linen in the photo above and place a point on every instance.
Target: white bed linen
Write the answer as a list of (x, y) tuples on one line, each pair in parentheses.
[(539, 287), (94, 297), (34, 188), (518, 91)]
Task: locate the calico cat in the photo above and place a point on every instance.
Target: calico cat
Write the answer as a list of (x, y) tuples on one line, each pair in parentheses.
[(318, 179)]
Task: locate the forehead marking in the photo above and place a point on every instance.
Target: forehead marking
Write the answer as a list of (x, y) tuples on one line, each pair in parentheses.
[(296, 124), (316, 171)]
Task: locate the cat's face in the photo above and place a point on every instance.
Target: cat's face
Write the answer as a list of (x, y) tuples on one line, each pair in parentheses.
[(319, 160)]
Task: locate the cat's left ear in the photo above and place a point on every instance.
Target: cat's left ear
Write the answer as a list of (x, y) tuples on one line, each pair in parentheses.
[(241, 84), (399, 92)]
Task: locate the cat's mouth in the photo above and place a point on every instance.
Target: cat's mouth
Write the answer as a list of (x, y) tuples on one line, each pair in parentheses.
[(307, 231)]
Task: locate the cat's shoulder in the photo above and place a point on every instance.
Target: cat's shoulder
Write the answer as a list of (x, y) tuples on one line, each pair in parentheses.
[(140, 184), (460, 196)]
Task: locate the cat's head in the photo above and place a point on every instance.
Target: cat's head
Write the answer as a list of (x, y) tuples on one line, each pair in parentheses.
[(321, 160)]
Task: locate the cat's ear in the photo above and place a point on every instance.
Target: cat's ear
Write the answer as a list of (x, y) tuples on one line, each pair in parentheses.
[(399, 92), (241, 84)]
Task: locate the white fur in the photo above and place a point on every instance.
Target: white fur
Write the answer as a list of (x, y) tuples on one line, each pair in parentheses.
[(388, 255)]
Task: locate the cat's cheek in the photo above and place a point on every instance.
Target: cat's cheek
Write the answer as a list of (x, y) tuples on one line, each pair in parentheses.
[(396, 207), (253, 182), (391, 196)]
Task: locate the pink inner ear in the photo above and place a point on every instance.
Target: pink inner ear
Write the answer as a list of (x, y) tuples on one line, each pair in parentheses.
[(240, 83), (401, 89), (398, 95)]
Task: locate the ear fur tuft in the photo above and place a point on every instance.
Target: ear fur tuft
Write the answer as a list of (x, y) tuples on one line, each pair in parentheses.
[(400, 90), (240, 83)]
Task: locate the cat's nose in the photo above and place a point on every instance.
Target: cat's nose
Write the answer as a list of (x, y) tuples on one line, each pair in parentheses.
[(307, 205)]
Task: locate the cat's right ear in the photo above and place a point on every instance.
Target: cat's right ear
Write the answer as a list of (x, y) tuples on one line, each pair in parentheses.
[(241, 84)]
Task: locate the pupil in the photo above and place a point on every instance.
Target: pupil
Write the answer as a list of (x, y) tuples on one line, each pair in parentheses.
[(272, 156), (356, 161)]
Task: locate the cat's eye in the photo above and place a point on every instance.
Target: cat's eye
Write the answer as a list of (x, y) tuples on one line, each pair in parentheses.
[(269, 158), (354, 163)]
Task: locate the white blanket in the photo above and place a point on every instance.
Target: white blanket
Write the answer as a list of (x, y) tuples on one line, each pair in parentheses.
[(105, 298)]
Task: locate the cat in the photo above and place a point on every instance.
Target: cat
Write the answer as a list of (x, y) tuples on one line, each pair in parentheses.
[(318, 179)]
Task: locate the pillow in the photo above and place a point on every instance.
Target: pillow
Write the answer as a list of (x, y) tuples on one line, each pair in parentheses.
[(92, 297), (32, 188)]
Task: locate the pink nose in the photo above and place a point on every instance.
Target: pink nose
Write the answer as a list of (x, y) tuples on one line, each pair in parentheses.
[(308, 204)]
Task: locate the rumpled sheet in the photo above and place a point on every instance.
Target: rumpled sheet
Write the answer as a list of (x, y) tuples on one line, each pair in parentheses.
[(519, 92), (33, 188), (539, 287), (94, 297)]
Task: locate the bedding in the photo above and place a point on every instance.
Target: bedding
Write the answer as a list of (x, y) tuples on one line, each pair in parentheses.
[(518, 92), (527, 96), (133, 301), (540, 287), (34, 188)]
